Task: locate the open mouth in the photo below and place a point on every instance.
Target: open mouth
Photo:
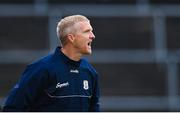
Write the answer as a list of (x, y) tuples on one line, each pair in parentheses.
[(89, 43)]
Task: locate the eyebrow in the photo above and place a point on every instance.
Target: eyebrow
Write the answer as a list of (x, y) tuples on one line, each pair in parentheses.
[(89, 29)]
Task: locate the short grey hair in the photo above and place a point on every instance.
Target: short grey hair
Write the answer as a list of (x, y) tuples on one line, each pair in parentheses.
[(66, 26)]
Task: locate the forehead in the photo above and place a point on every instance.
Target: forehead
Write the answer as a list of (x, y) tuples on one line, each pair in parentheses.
[(84, 25)]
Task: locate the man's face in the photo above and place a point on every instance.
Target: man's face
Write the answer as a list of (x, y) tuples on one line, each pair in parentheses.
[(83, 38)]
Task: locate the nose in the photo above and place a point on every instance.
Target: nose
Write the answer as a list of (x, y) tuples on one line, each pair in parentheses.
[(92, 36)]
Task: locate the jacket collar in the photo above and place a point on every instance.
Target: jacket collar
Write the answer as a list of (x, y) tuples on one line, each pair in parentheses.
[(60, 55)]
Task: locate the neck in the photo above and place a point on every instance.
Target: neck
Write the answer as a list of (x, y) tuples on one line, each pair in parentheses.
[(71, 53)]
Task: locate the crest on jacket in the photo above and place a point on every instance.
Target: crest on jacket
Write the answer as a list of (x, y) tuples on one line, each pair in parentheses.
[(85, 85)]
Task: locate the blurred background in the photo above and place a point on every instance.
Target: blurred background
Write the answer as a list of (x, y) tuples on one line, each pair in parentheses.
[(136, 50)]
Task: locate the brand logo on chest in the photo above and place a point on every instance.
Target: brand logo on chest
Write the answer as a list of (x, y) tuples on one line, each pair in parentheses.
[(74, 71)]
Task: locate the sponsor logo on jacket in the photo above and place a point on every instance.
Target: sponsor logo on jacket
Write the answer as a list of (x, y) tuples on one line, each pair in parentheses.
[(59, 85)]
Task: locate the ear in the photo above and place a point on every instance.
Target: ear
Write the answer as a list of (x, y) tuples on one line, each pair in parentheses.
[(71, 38)]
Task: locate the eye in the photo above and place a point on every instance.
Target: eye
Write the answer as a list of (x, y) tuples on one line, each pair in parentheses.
[(86, 31)]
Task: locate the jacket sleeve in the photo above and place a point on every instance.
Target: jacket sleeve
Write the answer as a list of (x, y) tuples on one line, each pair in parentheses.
[(26, 91), (95, 105)]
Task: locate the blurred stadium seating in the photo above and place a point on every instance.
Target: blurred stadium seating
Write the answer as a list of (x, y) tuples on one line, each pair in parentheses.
[(136, 50)]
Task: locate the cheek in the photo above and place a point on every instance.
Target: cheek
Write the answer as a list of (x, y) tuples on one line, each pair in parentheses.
[(80, 43), (83, 43), (82, 40)]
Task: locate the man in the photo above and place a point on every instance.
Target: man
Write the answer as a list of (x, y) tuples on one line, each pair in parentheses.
[(62, 81)]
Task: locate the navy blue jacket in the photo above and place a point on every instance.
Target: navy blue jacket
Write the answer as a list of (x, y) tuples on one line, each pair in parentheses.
[(56, 83)]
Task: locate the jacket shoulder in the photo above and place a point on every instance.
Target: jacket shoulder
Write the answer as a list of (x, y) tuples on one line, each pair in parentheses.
[(43, 61)]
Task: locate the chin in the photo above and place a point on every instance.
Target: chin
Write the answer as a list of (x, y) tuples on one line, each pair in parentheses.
[(87, 52)]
